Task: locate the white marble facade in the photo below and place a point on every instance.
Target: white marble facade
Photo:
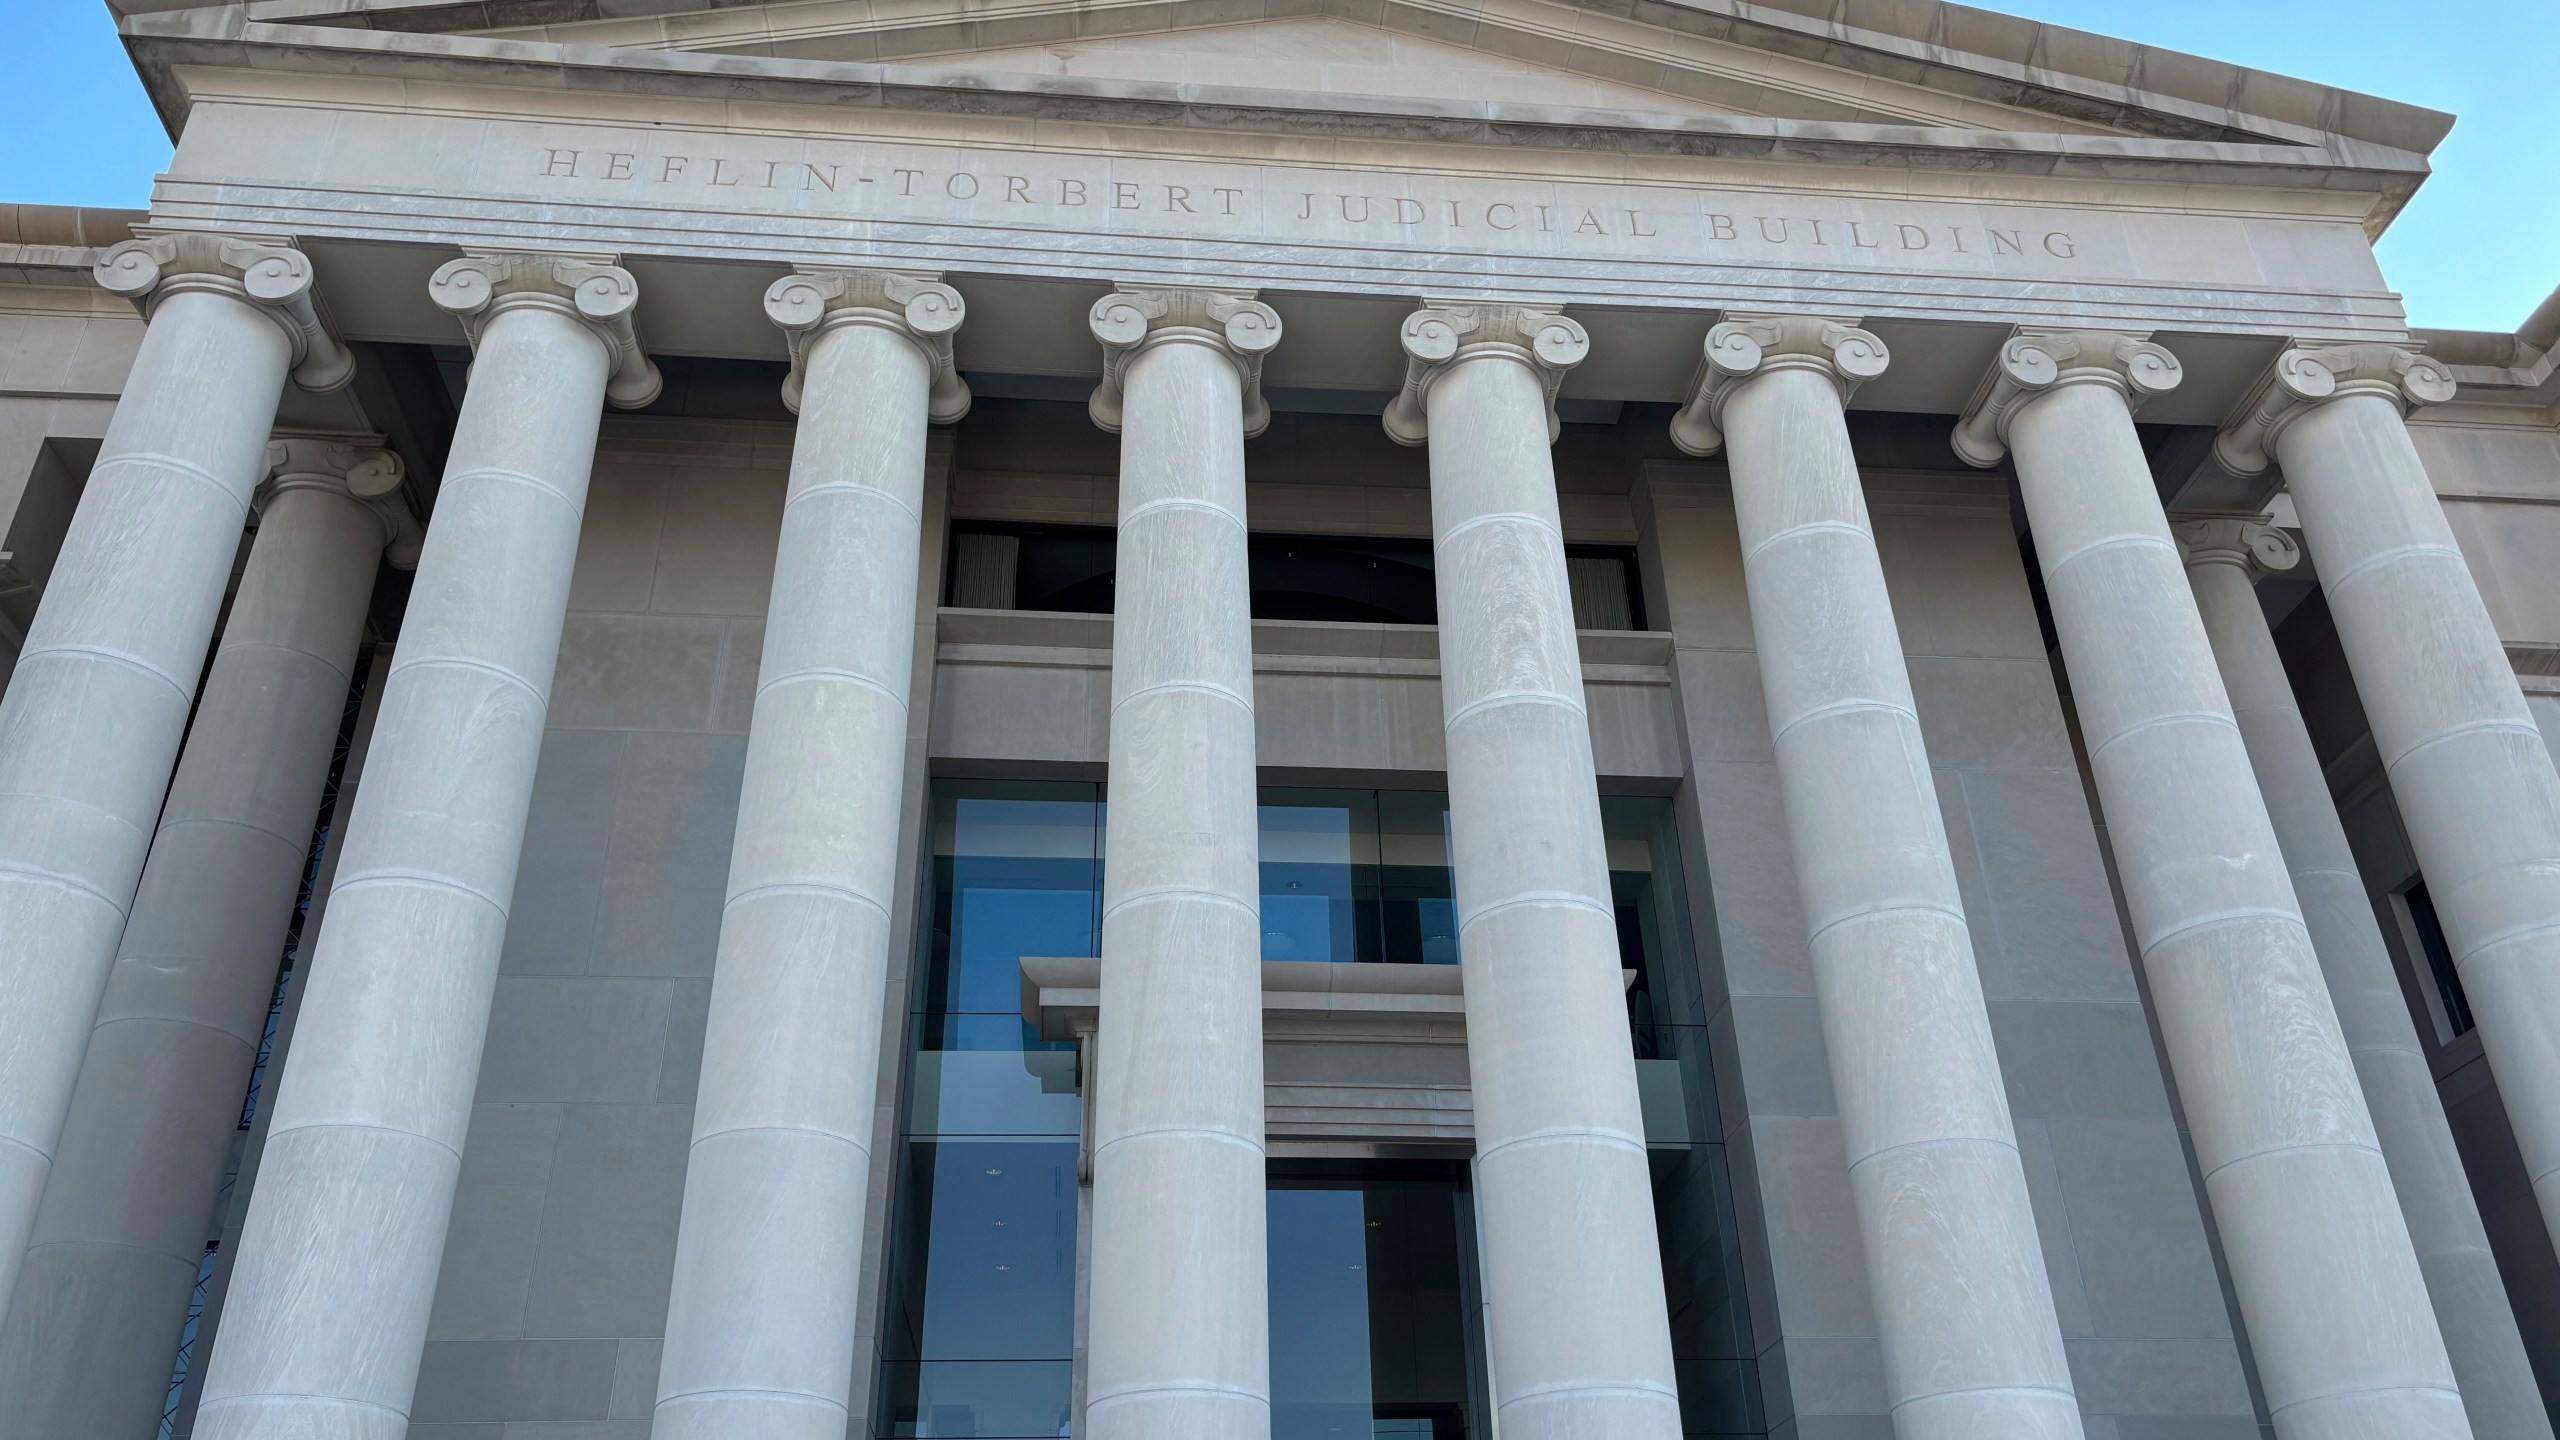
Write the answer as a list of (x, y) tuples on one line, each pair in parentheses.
[(2096, 668)]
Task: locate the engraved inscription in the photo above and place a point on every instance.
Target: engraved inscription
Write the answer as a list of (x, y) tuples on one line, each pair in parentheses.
[(1370, 208)]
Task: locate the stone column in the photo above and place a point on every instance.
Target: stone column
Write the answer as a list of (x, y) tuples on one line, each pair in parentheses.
[(1964, 1308), (2223, 556), (327, 1310), (1180, 1319), (86, 1348), (1573, 1274), (2337, 1309), (2468, 768), (91, 721), (761, 1322)]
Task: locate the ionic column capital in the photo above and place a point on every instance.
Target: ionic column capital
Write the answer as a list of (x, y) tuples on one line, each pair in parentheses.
[(356, 468), (264, 271), (1743, 346), (590, 289), (2248, 543), (2036, 361), (1443, 334), (2308, 375), (1135, 318), (813, 300)]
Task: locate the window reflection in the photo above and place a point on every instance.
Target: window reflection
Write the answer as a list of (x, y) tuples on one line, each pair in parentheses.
[(1372, 1298), (1371, 1278)]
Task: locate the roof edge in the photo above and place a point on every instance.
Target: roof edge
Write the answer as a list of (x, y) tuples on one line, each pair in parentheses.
[(1971, 50)]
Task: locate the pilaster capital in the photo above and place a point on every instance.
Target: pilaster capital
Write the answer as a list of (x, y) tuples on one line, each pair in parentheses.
[(1742, 346), (590, 289), (2247, 542), (812, 300), (1443, 334), (264, 271), (353, 467), (2309, 374), (1134, 318), (2035, 361)]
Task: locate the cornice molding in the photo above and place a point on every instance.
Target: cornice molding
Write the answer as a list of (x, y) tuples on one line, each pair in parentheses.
[(591, 289), (353, 467), (2035, 361), (2311, 374), (264, 271), (1743, 346), (1990, 58), (2300, 158), (813, 300), (1444, 334), (1137, 318)]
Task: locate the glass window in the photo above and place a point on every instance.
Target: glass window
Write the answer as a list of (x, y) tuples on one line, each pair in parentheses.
[(978, 1336), (1372, 1301), (1372, 1269), (982, 1314), (2428, 927)]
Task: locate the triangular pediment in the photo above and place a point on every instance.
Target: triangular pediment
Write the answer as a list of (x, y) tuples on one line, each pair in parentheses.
[(1516, 52)]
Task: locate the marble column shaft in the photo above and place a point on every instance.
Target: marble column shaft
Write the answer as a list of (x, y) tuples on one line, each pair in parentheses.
[(2471, 1306), (94, 711), (327, 1310), (1179, 1321), (2336, 1306), (2473, 780), (1964, 1309), (86, 1348), (761, 1323), (1573, 1273)]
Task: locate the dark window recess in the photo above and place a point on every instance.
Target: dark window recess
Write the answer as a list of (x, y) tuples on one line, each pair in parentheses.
[(1295, 577), (2430, 930)]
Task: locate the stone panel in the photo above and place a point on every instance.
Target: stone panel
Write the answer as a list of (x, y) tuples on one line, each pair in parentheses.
[(606, 1252)]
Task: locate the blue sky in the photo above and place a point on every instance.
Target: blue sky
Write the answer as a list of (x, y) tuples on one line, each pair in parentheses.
[(2478, 249)]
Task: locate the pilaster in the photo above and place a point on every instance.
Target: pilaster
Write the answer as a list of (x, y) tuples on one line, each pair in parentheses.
[(2037, 361), (813, 300), (264, 271), (1743, 346), (1134, 318), (2308, 375), (591, 289), (1443, 334)]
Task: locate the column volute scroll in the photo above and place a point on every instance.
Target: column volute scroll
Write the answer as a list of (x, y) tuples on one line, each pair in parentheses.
[(1443, 334), (2252, 543), (813, 300), (356, 467), (1135, 318), (591, 289), (2037, 361), (1743, 346), (2310, 374), (263, 271)]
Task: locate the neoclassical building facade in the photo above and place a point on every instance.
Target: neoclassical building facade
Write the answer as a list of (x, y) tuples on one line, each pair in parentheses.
[(1823, 728)]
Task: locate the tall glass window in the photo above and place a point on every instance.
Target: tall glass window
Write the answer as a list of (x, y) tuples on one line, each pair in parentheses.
[(979, 1336), (1373, 1301)]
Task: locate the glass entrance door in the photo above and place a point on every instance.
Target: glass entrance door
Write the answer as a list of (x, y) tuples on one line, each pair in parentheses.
[(1373, 1301)]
